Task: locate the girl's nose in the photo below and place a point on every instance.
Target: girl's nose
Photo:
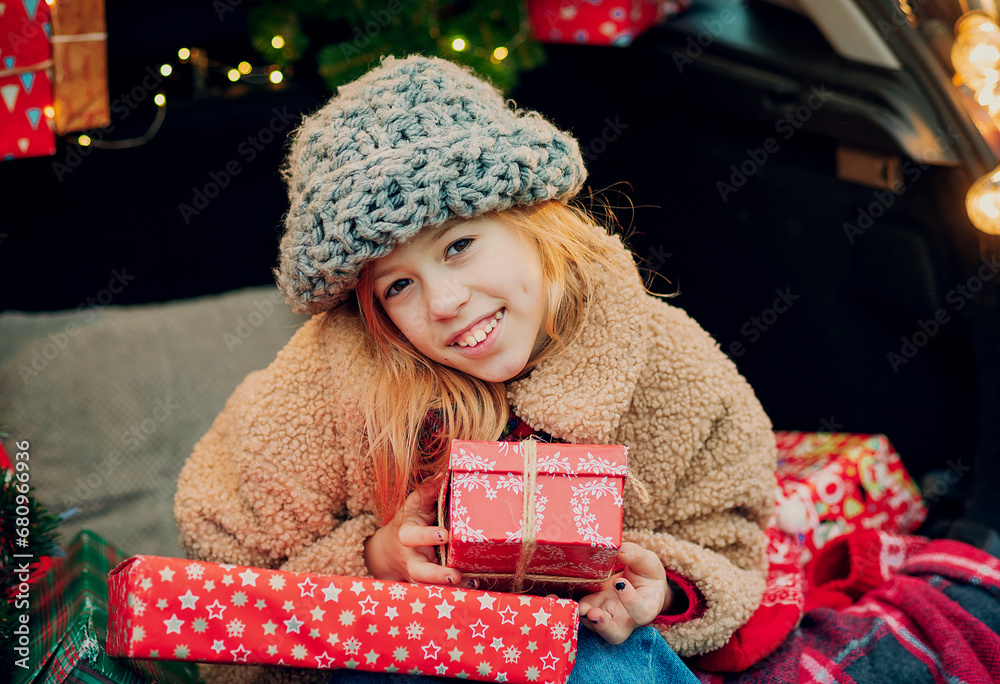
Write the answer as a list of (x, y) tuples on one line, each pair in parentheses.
[(446, 299)]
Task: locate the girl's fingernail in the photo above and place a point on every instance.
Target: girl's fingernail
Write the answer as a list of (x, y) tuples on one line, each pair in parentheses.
[(472, 584), (440, 536), (596, 621), (450, 579), (620, 585)]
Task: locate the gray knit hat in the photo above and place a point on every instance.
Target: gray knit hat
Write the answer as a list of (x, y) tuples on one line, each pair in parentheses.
[(412, 143)]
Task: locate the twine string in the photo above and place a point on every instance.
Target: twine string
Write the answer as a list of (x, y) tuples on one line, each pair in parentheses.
[(529, 476)]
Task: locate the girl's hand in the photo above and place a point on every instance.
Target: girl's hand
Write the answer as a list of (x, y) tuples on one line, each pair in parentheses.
[(403, 550), (630, 599)]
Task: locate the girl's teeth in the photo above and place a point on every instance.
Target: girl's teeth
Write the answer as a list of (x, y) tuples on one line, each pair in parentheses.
[(477, 336)]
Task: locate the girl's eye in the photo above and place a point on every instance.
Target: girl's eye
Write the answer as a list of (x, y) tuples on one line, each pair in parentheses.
[(458, 246), (397, 287)]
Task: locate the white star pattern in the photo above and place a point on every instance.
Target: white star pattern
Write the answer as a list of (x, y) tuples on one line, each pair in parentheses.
[(479, 628), (454, 633), (549, 661), (368, 606), (188, 600), (173, 624), (444, 609), (216, 607), (431, 650), (249, 578)]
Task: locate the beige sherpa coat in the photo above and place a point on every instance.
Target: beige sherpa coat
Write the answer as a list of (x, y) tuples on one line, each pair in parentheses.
[(278, 481)]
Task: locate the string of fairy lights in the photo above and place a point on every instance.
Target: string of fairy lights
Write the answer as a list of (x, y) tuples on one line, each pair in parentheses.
[(273, 74)]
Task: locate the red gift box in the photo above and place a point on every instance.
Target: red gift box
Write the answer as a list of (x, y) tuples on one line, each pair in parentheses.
[(845, 482), (25, 85), (176, 609), (598, 22), (576, 505)]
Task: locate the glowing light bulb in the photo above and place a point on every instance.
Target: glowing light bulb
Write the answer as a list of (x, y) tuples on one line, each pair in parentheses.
[(500, 53), (160, 99), (233, 75), (982, 202), (183, 54), (50, 111), (244, 67), (277, 42), (84, 140), (976, 51), (458, 44), (276, 76)]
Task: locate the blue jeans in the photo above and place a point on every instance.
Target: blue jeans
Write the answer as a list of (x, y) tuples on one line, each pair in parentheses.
[(644, 658)]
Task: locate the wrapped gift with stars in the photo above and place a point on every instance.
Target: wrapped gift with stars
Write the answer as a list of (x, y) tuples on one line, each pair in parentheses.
[(176, 609)]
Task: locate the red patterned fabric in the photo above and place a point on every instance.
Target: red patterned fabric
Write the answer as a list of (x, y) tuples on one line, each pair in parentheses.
[(936, 619), (25, 87)]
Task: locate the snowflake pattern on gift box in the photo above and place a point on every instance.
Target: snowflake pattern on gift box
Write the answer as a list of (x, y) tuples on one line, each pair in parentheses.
[(339, 622)]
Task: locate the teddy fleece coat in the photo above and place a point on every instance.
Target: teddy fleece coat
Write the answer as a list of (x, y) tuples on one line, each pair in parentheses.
[(279, 481)]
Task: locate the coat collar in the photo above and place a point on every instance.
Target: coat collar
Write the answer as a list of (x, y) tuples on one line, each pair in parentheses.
[(580, 395)]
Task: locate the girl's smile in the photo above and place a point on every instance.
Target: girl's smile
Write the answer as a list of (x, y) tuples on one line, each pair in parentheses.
[(469, 295)]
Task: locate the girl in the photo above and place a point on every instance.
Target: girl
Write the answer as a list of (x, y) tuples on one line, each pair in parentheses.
[(456, 294)]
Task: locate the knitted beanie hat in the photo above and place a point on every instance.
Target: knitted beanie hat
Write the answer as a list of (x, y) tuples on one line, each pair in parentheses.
[(412, 143)]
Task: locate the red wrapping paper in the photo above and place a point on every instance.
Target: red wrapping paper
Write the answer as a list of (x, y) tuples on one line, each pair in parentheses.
[(25, 84), (176, 609), (598, 22), (846, 482), (577, 508)]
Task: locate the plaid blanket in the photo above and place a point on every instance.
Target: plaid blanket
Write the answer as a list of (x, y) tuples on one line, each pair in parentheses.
[(936, 619)]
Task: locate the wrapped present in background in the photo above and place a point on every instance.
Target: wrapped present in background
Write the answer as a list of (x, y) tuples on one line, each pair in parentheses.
[(25, 86), (68, 612), (573, 513), (598, 22), (80, 58), (170, 608), (840, 482)]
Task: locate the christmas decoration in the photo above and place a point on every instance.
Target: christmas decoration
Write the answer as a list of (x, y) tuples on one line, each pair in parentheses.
[(25, 88), (170, 608), (598, 22), (491, 37), (80, 63), (535, 511), (842, 482), (68, 621)]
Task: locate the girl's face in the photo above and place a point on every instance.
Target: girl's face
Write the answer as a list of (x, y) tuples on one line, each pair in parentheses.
[(469, 295)]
